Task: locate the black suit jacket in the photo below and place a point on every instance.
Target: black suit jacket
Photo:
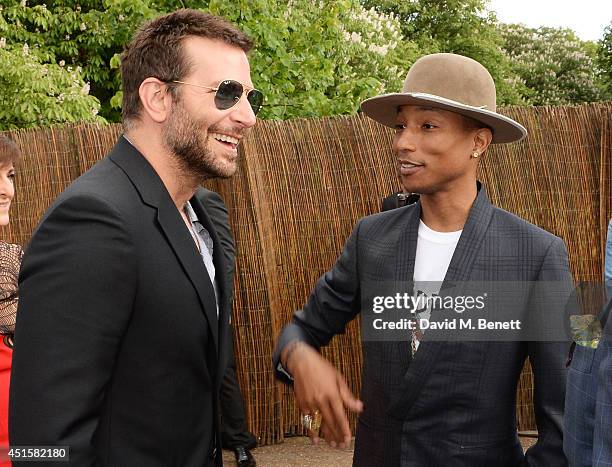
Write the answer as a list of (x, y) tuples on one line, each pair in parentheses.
[(454, 403), (117, 339)]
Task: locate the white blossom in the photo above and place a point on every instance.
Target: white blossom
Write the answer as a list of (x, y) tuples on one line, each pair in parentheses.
[(26, 49)]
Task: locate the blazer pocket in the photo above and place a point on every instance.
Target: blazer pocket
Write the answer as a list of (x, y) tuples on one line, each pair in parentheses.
[(500, 453), (582, 360)]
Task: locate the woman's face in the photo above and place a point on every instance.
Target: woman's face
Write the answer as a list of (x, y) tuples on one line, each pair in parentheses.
[(433, 149), (7, 190)]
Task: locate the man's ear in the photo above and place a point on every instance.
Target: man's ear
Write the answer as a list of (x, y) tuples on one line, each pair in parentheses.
[(482, 140), (155, 99)]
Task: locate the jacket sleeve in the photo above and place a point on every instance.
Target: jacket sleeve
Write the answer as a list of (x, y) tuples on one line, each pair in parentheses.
[(77, 287), (333, 303), (548, 361)]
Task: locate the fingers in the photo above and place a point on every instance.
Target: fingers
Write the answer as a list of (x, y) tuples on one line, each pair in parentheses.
[(335, 427), (350, 401), (326, 434), (336, 421), (320, 386)]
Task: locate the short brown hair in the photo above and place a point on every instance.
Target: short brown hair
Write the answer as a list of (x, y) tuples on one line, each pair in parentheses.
[(156, 50), (9, 151)]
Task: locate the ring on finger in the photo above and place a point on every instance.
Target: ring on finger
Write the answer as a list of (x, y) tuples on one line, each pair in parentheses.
[(312, 422)]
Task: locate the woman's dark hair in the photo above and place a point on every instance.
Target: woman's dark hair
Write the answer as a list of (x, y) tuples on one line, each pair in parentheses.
[(9, 151)]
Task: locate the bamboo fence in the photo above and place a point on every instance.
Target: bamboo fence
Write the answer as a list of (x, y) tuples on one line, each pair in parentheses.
[(302, 185)]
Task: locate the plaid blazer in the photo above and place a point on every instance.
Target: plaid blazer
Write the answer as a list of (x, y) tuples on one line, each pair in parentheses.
[(454, 402), (588, 405)]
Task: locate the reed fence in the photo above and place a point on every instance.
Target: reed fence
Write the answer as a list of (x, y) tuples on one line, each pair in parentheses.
[(302, 185)]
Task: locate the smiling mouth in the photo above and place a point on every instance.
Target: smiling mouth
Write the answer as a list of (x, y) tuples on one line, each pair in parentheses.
[(409, 165), (226, 140)]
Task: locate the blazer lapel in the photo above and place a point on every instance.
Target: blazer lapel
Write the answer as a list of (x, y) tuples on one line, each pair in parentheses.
[(154, 193), (474, 231), (220, 266), (459, 269), (181, 242), (407, 245)]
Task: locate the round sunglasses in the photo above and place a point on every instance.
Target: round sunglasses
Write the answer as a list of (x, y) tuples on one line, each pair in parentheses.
[(229, 92)]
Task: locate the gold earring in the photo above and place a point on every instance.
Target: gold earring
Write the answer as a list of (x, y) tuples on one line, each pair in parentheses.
[(475, 154)]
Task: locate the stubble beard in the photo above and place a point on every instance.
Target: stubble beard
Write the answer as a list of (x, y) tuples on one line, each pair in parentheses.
[(183, 135)]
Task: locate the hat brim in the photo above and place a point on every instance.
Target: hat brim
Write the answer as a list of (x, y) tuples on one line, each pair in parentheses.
[(384, 109)]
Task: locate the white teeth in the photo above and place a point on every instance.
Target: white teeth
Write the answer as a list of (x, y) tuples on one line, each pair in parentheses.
[(408, 166), (226, 138)]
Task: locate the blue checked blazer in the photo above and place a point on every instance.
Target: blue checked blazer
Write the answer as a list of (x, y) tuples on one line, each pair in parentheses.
[(454, 402), (588, 404)]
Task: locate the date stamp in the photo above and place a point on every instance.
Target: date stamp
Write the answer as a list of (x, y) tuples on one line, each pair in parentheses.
[(35, 453)]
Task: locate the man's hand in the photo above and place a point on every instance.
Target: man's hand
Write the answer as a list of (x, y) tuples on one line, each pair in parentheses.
[(319, 386)]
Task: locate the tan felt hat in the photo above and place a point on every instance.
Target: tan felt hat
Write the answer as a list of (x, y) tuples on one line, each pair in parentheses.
[(449, 82)]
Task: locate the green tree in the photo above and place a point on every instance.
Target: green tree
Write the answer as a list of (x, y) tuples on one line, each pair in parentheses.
[(83, 33), (37, 94), (317, 58), (457, 26), (312, 58), (604, 62), (555, 65)]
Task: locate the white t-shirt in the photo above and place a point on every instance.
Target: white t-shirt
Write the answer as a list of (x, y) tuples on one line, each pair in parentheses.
[(433, 256)]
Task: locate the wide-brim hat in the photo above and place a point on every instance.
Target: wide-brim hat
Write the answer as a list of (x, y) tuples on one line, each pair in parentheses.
[(448, 82)]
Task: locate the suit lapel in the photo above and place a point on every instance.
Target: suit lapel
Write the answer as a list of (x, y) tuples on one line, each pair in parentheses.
[(474, 231), (181, 242), (407, 245), (220, 266), (154, 193), (459, 269)]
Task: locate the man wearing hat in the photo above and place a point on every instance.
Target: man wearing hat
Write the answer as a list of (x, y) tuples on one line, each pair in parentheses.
[(426, 402)]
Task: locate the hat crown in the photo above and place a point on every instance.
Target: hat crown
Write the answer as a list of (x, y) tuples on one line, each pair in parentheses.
[(454, 77)]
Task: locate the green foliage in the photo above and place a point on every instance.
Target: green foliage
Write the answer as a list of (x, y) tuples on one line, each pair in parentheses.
[(37, 94), (604, 62), (305, 61), (556, 66), (312, 57), (457, 26), (317, 58), (85, 33)]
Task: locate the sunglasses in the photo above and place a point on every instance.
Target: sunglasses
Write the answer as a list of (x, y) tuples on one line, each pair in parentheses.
[(229, 92)]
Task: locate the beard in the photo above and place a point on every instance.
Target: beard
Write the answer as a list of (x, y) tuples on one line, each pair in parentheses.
[(184, 136)]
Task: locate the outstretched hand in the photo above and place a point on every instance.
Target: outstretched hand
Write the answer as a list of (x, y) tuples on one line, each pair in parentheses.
[(319, 386)]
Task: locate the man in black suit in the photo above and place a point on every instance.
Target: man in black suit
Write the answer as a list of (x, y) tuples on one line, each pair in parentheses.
[(234, 432), (124, 307), (425, 400)]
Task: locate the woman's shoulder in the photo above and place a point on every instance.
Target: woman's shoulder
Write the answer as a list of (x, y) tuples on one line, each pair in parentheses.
[(11, 249)]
